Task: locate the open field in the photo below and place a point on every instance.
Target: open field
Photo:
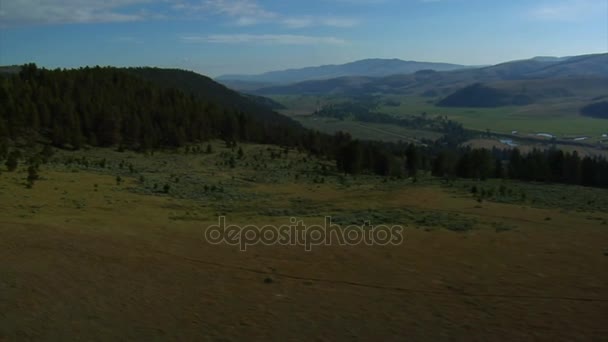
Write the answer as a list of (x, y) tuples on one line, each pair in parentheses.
[(556, 118), (87, 255), (561, 119)]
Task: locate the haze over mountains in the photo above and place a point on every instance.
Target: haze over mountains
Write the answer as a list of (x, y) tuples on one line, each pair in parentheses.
[(375, 67), (570, 71)]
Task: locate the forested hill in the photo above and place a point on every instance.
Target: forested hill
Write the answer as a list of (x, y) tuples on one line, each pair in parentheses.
[(112, 106), (117, 107), (206, 89), (479, 95), (596, 110)]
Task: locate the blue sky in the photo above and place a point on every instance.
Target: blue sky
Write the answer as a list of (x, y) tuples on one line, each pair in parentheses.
[(249, 36)]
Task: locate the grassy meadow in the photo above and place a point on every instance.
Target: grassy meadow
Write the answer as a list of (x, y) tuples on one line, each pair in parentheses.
[(109, 245), (555, 117)]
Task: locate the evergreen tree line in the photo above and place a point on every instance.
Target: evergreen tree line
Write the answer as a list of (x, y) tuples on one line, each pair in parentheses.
[(115, 107), (111, 106), (400, 159), (552, 165)]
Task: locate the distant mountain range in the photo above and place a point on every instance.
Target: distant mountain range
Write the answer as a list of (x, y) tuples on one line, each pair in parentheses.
[(569, 74), (367, 67)]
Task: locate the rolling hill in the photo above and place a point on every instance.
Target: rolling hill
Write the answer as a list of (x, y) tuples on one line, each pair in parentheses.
[(586, 66), (537, 79), (478, 95), (136, 108), (207, 89), (366, 67)]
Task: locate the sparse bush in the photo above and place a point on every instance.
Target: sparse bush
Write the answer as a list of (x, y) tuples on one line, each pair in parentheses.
[(46, 153), (12, 162), (32, 175), (3, 150)]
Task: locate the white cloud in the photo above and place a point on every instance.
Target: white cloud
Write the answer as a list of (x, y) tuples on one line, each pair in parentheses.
[(339, 22), (270, 39), (18, 12), (250, 12), (245, 12), (302, 22), (569, 10), (238, 12), (298, 22)]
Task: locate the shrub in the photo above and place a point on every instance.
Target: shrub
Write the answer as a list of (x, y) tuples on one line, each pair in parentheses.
[(13, 161), (32, 175), (46, 153)]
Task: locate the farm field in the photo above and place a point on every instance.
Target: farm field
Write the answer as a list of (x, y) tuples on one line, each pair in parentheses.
[(113, 243)]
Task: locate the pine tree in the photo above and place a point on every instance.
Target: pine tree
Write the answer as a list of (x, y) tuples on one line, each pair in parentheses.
[(32, 175), (12, 161), (412, 160)]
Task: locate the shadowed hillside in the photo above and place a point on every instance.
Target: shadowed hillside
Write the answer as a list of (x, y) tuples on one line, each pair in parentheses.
[(596, 110), (112, 106), (478, 95)]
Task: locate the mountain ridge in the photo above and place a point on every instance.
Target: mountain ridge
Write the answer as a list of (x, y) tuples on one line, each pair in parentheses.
[(594, 66), (375, 67)]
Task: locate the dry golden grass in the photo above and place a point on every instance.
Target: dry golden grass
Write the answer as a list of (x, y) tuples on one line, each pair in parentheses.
[(79, 262)]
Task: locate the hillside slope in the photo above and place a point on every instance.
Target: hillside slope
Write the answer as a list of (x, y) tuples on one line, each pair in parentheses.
[(478, 95), (367, 67), (588, 66), (113, 106), (207, 89)]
